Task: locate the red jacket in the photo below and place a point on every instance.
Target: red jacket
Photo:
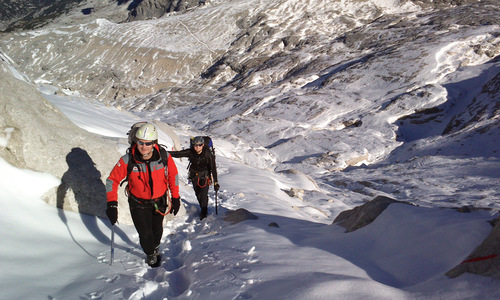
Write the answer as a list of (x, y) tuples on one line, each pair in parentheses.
[(143, 176)]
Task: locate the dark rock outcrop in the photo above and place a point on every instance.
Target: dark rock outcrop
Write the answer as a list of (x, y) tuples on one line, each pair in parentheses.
[(26, 15), (150, 9), (363, 215), (239, 215), (485, 259)]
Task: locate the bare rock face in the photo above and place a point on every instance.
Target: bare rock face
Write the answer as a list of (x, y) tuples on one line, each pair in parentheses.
[(363, 215), (485, 259), (37, 136), (443, 3), (19, 15), (483, 107), (149, 9), (31, 14)]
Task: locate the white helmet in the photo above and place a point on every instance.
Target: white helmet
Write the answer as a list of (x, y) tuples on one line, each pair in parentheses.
[(147, 132)]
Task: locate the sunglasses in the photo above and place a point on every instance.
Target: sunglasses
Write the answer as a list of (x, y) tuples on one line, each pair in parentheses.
[(198, 145), (145, 143)]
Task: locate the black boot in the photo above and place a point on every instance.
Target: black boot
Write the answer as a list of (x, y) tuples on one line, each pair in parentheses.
[(154, 260), (203, 213)]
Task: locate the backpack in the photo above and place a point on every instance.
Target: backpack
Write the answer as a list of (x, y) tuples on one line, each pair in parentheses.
[(131, 133)]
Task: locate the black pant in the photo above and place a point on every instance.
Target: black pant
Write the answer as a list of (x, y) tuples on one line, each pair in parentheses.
[(148, 223), (201, 194)]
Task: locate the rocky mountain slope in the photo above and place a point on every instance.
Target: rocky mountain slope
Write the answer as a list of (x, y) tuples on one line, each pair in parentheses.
[(19, 15), (28, 14), (337, 67), (388, 91)]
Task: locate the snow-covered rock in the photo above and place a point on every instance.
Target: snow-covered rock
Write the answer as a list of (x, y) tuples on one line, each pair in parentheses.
[(35, 135)]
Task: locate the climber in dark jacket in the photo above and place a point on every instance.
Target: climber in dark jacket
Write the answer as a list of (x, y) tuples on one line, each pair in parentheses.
[(202, 170)]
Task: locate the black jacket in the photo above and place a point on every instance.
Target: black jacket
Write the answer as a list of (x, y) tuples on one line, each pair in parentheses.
[(199, 164)]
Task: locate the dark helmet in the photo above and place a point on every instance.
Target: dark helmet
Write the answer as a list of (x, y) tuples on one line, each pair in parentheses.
[(198, 140)]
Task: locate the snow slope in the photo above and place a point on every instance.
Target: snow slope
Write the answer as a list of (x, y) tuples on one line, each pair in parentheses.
[(55, 254)]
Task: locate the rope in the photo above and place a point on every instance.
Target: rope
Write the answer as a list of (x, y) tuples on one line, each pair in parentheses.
[(169, 205), (476, 259), (207, 181)]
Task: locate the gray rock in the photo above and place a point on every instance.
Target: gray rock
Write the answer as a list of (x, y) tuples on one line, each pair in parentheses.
[(239, 215), (485, 259), (363, 215), (273, 224)]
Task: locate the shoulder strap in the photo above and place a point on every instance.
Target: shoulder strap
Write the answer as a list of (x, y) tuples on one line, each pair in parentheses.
[(130, 165), (208, 153), (163, 154), (164, 157)]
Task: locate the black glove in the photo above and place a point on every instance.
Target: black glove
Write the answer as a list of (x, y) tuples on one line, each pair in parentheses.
[(176, 203), (112, 212), (216, 187)]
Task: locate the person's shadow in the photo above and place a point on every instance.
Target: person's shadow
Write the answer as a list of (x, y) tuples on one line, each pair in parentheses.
[(84, 180)]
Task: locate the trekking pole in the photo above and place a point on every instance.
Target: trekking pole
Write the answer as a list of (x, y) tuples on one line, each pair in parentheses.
[(216, 202), (112, 245)]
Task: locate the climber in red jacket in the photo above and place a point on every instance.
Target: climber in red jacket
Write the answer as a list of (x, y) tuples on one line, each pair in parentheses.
[(151, 173)]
